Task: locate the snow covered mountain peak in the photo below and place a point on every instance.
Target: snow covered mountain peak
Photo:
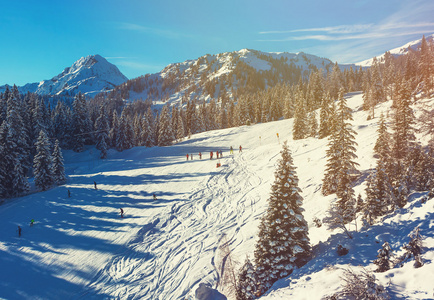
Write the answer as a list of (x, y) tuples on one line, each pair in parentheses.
[(413, 45), (89, 75)]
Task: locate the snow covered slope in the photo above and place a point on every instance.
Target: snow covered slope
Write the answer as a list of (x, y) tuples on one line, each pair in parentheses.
[(80, 248), (90, 75), (413, 45)]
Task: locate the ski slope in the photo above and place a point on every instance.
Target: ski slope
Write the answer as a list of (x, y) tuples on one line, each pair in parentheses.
[(80, 248)]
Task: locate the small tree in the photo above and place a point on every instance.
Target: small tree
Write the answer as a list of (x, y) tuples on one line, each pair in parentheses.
[(247, 281), (414, 247), (383, 258), (335, 220), (228, 274)]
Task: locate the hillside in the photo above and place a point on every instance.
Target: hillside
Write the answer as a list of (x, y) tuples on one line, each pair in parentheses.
[(410, 46), (80, 248), (89, 75), (222, 76)]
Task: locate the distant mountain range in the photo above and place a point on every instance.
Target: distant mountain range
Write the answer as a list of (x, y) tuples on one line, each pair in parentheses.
[(414, 45), (89, 75), (209, 76)]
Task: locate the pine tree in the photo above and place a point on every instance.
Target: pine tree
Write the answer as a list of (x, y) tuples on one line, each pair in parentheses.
[(125, 136), (325, 114), (382, 145), (15, 152), (300, 127), (114, 131), (146, 132), (165, 133), (426, 67), (313, 124), (247, 282), (377, 90), (60, 123), (3, 165), (403, 135), (334, 81), (137, 129), (42, 163), (359, 203), (341, 167), (283, 242), (403, 144), (79, 123), (102, 130), (377, 195), (180, 129), (370, 202), (57, 168), (383, 260)]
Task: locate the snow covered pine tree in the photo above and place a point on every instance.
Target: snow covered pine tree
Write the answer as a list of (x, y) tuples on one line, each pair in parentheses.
[(283, 241), (42, 162)]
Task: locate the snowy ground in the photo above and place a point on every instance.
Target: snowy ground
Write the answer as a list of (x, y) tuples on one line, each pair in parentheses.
[(80, 248)]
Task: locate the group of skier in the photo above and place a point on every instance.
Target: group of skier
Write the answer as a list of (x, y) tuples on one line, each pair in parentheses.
[(219, 153), (19, 230)]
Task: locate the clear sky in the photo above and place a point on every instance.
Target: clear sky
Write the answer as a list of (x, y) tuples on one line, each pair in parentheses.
[(40, 38)]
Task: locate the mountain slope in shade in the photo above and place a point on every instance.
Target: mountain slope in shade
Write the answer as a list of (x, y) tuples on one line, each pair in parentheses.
[(90, 75), (413, 45)]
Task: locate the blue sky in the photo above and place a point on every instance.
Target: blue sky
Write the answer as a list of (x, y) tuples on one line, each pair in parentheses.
[(40, 38)]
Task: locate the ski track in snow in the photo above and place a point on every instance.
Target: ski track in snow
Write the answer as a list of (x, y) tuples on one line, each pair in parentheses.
[(81, 249), (189, 232)]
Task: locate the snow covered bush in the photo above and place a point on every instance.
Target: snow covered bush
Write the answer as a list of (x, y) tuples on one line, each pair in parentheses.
[(360, 286), (317, 222), (247, 282), (342, 250)]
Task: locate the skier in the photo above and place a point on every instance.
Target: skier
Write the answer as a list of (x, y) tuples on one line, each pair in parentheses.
[(31, 222), (122, 213), (221, 154), (19, 230), (241, 149), (187, 156), (231, 151), (94, 184), (191, 156), (155, 197), (210, 155), (69, 194), (217, 153), (200, 155)]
